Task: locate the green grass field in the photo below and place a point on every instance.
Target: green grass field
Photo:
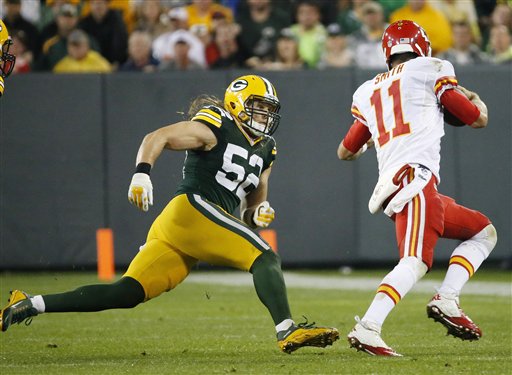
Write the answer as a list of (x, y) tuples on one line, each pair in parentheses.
[(214, 329)]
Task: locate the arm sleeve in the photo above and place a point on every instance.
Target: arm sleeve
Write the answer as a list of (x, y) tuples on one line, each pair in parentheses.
[(460, 106), (357, 136)]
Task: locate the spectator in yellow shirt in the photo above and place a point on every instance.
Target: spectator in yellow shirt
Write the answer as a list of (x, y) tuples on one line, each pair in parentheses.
[(432, 20), (201, 13), (80, 57), (461, 11)]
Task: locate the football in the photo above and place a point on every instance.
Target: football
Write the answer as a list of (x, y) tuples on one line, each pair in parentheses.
[(450, 119)]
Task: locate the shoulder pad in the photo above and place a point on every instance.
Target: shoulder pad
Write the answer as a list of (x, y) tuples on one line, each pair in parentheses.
[(210, 115), (220, 111), (430, 64)]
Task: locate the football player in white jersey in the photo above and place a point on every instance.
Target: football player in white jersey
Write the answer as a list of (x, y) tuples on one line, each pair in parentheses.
[(401, 113)]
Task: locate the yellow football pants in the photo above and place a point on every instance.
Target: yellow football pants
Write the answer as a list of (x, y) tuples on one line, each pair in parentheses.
[(191, 229)]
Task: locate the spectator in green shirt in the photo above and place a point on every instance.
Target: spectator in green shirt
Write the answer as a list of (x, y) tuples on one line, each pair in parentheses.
[(310, 32)]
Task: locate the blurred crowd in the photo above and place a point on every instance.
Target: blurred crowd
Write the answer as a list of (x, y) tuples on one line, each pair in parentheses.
[(67, 36)]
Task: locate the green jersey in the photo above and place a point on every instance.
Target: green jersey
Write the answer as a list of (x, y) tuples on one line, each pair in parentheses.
[(231, 170)]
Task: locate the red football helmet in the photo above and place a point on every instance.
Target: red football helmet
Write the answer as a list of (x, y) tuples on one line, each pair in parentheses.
[(405, 36)]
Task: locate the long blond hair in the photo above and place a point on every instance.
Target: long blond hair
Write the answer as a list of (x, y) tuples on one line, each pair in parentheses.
[(203, 100)]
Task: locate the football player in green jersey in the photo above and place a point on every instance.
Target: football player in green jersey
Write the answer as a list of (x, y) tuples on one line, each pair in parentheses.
[(230, 152)]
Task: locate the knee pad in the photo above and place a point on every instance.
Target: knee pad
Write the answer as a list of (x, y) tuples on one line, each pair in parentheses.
[(415, 265), (487, 239)]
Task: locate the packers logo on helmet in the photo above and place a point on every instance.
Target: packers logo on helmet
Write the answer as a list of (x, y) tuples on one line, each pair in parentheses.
[(7, 60), (252, 101), (238, 85)]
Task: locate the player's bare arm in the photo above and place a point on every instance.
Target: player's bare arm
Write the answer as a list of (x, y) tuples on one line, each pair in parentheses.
[(482, 120), (184, 135), (255, 209), (345, 154)]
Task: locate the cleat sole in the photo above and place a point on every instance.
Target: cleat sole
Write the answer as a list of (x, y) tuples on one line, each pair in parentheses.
[(455, 330), (356, 344)]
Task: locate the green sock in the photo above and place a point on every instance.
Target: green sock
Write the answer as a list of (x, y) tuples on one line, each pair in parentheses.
[(125, 293), (270, 287)]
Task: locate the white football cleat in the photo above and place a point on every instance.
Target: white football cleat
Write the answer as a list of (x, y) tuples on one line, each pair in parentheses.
[(444, 308), (365, 336)]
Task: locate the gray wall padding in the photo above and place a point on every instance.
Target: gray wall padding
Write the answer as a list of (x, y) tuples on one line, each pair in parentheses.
[(51, 163)]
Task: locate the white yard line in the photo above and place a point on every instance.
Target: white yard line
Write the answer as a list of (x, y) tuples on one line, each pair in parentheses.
[(298, 280)]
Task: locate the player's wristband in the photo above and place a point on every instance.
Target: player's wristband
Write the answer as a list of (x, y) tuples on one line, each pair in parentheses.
[(364, 148), (143, 168)]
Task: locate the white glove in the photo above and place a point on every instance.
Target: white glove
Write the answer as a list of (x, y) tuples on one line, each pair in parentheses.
[(263, 215), (140, 192)]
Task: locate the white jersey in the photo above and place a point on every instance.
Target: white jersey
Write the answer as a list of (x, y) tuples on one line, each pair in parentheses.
[(402, 110)]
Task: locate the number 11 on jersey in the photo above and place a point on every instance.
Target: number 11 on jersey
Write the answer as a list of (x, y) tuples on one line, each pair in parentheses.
[(401, 127)]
